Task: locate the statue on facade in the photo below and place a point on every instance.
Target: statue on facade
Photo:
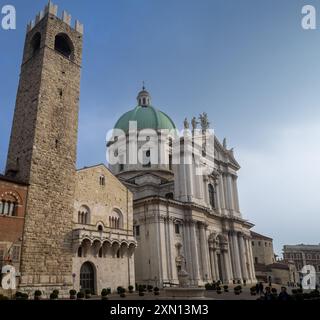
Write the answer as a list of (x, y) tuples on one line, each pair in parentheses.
[(194, 123), (203, 117), (186, 123)]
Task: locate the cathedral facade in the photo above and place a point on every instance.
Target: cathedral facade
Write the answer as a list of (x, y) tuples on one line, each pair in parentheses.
[(183, 221)]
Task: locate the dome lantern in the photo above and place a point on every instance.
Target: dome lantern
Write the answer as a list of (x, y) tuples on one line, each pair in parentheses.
[(144, 98)]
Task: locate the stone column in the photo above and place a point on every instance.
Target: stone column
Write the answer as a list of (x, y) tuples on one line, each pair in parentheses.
[(243, 258), (212, 264), (251, 261), (204, 251), (231, 254), (222, 193), (194, 252), (230, 192), (236, 197), (227, 265), (236, 254)]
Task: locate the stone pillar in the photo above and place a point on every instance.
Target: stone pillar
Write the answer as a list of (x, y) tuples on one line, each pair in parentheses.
[(194, 252), (227, 265), (212, 264), (243, 258), (221, 192), (230, 192), (231, 254), (251, 261), (236, 254), (204, 251), (236, 196)]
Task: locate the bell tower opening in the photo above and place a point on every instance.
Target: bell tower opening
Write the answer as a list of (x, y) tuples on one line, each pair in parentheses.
[(63, 45)]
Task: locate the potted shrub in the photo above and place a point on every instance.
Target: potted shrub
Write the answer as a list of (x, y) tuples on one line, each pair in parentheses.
[(156, 291), (109, 290), (73, 294), (37, 295), (207, 286), (88, 293), (149, 287), (253, 290), (123, 293), (144, 287), (80, 295), (141, 291), (226, 288), (130, 288), (104, 294), (219, 290), (119, 289), (237, 290), (53, 296)]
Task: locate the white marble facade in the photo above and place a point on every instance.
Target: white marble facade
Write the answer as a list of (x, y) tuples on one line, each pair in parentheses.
[(188, 221)]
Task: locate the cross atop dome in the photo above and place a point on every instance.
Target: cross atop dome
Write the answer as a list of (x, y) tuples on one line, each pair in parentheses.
[(144, 98)]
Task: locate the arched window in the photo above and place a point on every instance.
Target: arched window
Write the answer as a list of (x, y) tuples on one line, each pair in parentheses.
[(118, 253), (84, 215), (9, 205), (211, 196), (100, 253), (80, 252), (100, 228), (35, 42), (115, 219), (63, 45)]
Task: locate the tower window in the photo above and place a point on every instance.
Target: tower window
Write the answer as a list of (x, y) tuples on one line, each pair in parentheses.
[(177, 228), (80, 252), (35, 42), (118, 253), (102, 181), (100, 228), (100, 253), (63, 45)]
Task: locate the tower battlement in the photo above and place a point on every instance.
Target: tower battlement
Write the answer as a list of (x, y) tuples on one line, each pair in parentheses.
[(52, 9)]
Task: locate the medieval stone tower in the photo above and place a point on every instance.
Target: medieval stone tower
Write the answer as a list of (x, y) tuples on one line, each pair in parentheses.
[(42, 150)]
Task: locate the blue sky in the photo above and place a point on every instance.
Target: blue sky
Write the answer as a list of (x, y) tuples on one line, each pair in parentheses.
[(247, 63)]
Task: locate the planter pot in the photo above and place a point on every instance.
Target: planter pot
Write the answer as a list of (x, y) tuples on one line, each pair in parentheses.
[(122, 295), (141, 294), (104, 297), (156, 293), (237, 293), (88, 296), (80, 298), (73, 297), (37, 298), (130, 291), (219, 291)]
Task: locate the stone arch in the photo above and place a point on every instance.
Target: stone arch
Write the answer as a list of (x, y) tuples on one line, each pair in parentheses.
[(88, 276), (64, 45)]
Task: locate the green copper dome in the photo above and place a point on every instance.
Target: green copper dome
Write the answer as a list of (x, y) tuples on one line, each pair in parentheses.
[(147, 116)]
